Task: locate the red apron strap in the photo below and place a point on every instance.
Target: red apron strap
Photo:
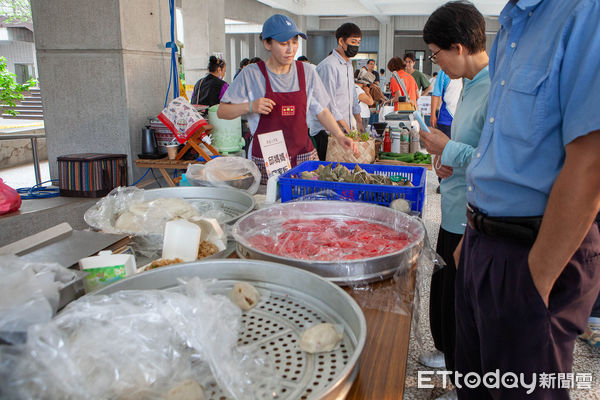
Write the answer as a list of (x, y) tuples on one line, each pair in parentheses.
[(263, 68), (301, 78)]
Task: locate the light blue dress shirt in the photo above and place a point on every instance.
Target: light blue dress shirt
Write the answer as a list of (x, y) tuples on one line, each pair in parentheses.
[(466, 129), (545, 80), (337, 75)]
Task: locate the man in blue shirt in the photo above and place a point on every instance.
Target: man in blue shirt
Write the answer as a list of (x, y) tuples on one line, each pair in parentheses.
[(529, 269)]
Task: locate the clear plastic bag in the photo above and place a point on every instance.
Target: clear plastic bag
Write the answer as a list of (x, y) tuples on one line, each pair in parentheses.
[(136, 345), (235, 172), (29, 294), (127, 210)]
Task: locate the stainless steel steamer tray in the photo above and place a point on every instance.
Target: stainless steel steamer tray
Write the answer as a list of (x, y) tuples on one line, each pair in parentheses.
[(340, 272), (233, 202), (298, 299)]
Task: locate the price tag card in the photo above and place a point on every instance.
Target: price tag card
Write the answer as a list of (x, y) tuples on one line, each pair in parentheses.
[(424, 105), (274, 152)]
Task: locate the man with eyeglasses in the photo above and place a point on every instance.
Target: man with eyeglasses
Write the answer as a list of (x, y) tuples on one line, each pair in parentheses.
[(529, 269)]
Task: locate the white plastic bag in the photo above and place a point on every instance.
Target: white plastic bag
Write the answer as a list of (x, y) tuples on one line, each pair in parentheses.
[(236, 172), (135, 345), (29, 294)]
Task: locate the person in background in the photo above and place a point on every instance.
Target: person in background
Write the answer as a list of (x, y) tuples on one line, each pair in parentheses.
[(446, 91), (243, 64), (529, 270), (372, 69), (364, 98), (460, 29), (433, 78), (209, 90), (304, 59), (402, 83), (277, 95), (255, 60), (337, 74), (384, 82), (422, 82)]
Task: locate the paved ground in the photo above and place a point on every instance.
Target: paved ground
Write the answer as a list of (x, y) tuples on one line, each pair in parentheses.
[(23, 175), (586, 358)]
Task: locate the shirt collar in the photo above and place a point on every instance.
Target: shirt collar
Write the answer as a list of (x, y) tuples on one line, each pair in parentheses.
[(514, 8), (527, 4), (467, 83), (339, 57)]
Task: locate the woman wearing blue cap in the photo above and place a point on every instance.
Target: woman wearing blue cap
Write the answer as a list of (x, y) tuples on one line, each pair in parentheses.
[(278, 93)]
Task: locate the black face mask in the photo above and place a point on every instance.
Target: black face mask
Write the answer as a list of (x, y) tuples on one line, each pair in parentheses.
[(351, 50)]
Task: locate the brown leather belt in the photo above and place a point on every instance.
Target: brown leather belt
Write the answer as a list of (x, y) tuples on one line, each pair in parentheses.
[(520, 229)]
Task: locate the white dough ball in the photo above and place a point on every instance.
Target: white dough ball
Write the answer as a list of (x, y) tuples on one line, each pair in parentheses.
[(320, 338), (187, 390), (244, 295)]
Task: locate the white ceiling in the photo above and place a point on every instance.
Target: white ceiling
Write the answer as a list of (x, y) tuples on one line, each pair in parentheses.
[(381, 9)]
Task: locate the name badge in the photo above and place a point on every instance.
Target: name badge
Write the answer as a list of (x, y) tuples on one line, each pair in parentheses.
[(288, 111)]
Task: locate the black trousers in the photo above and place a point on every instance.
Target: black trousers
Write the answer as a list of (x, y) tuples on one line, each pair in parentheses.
[(502, 322), (320, 140), (441, 298)]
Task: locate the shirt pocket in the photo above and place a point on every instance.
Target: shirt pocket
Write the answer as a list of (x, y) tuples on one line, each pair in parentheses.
[(527, 103)]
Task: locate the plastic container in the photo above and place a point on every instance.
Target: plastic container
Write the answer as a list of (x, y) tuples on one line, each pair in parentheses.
[(395, 136), (414, 140), (387, 142), (106, 268), (172, 150), (182, 239), (292, 187), (226, 134)]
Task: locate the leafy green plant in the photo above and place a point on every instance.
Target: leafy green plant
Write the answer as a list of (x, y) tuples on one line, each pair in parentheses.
[(15, 10), (10, 90)]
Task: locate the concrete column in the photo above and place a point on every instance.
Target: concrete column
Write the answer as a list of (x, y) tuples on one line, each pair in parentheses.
[(102, 77), (204, 35), (386, 44)]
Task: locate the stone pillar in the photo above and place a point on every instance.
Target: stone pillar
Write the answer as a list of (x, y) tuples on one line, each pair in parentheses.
[(386, 44), (204, 35), (102, 77)]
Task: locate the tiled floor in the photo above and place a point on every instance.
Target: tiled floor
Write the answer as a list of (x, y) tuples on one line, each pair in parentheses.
[(23, 175)]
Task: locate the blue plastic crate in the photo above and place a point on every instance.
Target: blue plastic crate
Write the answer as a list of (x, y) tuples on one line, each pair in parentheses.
[(294, 188)]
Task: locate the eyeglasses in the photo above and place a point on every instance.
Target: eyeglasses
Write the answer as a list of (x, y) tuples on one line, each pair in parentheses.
[(433, 57)]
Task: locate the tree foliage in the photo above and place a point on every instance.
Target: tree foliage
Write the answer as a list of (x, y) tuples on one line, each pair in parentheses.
[(10, 90), (16, 10)]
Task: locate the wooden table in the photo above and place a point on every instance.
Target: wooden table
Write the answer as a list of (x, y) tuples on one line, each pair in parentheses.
[(163, 164), (382, 368), (382, 365)]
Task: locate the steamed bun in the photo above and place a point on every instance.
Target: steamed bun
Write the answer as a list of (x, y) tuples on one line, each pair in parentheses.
[(244, 295), (320, 338)]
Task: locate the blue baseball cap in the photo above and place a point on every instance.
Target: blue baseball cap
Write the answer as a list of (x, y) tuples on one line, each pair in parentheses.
[(280, 28)]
